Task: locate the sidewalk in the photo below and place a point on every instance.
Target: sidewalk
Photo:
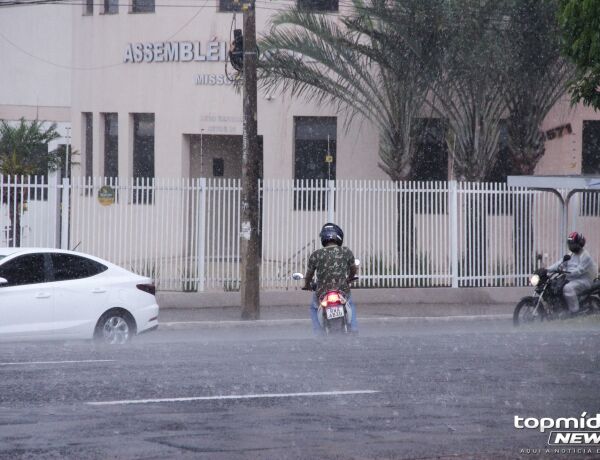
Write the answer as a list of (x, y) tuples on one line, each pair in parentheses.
[(373, 305), (398, 297)]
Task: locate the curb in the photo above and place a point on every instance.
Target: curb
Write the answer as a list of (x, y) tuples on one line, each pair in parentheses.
[(184, 325)]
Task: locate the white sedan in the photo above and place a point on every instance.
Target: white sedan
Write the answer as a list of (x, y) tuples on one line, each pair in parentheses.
[(50, 293)]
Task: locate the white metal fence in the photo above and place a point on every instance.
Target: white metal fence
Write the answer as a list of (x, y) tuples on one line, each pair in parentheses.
[(184, 232)]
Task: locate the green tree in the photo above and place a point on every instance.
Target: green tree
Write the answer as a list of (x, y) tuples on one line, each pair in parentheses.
[(23, 152), (468, 87), (358, 64), (579, 21), (535, 77)]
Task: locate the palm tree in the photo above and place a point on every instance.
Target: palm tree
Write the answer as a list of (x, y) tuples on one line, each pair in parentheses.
[(359, 65), (536, 77), (23, 152)]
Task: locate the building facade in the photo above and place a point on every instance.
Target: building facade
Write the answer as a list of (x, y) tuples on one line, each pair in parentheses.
[(145, 87)]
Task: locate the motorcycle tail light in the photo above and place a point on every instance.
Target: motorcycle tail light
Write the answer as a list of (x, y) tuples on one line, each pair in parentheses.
[(333, 297)]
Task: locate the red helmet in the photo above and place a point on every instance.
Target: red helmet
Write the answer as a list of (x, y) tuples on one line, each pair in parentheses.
[(576, 240)]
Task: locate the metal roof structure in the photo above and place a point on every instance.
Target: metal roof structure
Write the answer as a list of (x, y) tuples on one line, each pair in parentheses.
[(581, 183), (564, 187)]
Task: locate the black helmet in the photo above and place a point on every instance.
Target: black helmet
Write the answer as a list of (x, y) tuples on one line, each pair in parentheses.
[(575, 241), (331, 232)]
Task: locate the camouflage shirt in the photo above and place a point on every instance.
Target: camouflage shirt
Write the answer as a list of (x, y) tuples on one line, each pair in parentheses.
[(332, 265)]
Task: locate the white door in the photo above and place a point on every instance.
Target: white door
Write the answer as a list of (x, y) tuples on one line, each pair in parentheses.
[(27, 300), (81, 297)]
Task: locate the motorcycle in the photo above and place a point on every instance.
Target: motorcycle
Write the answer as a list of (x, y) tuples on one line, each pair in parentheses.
[(548, 303), (332, 313)]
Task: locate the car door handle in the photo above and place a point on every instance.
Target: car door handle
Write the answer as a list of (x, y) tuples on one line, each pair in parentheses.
[(98, 291), (42, 295)]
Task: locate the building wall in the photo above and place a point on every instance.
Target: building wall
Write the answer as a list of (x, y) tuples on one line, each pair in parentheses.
[(35, 57), (565, 124), (58, 63), (182, 106)]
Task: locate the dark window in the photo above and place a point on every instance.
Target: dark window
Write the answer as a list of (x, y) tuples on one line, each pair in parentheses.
[(88, 8), (71, 267), (143, 155), (590, 154), (318, 5), (230, 5), (111, 145), (218, 167), (111, 6), (88, 134), (314, 157), (590, 164), (25, 269), (314, 140), (431, 159), (142, 6)]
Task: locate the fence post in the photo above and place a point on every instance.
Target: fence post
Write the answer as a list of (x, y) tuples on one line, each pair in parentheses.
[(330, 200), (453, 215), (64, 214), (201, 220)]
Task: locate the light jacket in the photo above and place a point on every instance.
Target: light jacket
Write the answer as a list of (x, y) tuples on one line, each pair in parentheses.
[(580, 266)]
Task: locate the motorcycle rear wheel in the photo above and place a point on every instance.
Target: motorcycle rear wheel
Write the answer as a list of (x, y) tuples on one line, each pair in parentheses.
[(525, 312), (336, 326)]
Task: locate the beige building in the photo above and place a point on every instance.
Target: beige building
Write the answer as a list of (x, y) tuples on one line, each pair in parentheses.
[(144, 87)]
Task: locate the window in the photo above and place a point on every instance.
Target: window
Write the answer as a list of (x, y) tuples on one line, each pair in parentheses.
[(88, 7), (111, 6), (111, 145), (88, 142), (143, 153), (590, 152), (590, 164), (431, 159), (71, 267), (230, 5), (314, 157), (25, 269), (319, 5), (142, 6), (218, 167)]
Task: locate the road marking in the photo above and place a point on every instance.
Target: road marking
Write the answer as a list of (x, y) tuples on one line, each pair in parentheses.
[(58, 362), (222, 397)]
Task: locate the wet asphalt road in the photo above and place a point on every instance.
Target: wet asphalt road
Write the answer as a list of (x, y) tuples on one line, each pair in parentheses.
[(439, 390)]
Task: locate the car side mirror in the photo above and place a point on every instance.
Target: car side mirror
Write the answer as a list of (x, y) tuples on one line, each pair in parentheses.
[(566, 257), (3, 281)]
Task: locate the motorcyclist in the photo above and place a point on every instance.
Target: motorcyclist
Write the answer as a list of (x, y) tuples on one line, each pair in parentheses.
[(581, 270), (335, 268)]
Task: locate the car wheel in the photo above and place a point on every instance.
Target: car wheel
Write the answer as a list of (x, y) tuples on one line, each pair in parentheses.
[(115, 327)]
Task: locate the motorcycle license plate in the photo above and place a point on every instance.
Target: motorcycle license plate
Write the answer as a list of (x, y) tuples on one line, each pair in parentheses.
[(335, 312)]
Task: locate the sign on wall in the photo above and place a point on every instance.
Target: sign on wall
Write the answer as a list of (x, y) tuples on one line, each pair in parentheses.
[(106, 195), (212, 51)]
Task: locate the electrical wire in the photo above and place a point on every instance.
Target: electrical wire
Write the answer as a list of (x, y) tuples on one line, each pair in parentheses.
[(106, 66), (284, 7)]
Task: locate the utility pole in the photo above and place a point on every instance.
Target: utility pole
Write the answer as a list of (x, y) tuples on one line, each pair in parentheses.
[(249, 244)]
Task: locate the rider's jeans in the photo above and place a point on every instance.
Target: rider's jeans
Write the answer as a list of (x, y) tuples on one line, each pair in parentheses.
[(570, 291), (315, 319)]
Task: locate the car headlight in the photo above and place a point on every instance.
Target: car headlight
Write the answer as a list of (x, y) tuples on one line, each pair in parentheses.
[(535, 280)]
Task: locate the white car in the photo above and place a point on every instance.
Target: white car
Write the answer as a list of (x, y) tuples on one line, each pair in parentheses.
[(50, 293)]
